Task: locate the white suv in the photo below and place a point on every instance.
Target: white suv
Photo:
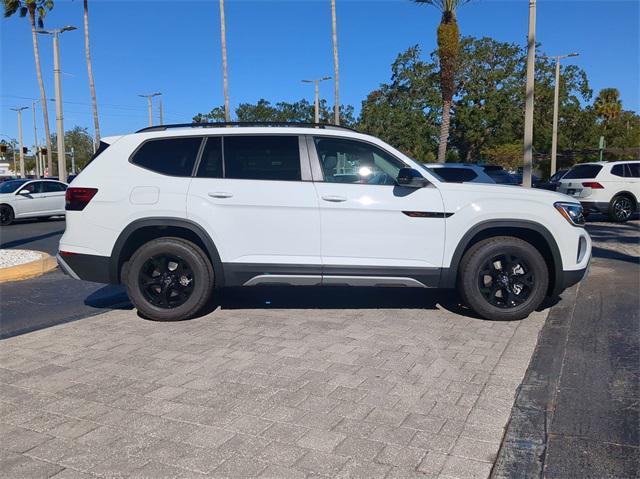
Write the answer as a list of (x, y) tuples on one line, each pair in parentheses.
[(611, 188), (176, 212)]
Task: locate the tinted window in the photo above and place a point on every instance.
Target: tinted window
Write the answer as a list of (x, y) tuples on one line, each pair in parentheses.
[(558, 175), (170, 156), (33, 187), (583, 171), (262, 158), (349, 161), (456, 175), (618, 170), (211, 162), (634, 170), (50, 187), (11, 185)]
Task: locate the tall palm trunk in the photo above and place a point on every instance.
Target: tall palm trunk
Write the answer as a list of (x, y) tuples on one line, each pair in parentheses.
[(336, 69), (43, 95), (444, 131), (223, 43), (92, 87)]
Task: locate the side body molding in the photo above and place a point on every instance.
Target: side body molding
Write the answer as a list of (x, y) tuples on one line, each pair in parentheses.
[(164, 222), (449, 275)]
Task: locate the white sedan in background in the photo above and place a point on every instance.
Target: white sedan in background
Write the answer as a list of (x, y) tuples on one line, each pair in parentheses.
[(31, 199)]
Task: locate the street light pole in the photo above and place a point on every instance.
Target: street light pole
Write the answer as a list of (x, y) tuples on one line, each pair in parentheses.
[(62, 159), (528, 115), (35, 140), (316, 97), (556, 101), (149, 98), (19, 111), (161, 112)]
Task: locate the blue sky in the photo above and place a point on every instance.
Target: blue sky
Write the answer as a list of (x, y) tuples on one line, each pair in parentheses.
[(174, 47)]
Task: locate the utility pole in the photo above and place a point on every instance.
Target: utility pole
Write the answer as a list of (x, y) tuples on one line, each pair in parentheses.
[(161, 112), (62, 159), (225, 76), (556, 101), (19, 111), (35, 141), (528, 115), (316, 97), (336, 69), (149, 98)]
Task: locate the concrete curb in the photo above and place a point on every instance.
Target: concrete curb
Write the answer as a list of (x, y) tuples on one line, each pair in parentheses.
[(29, 270)]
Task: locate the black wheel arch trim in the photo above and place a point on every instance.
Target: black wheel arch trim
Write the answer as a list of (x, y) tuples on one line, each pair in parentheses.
[(626, 193), (449, 275), (115, 262)]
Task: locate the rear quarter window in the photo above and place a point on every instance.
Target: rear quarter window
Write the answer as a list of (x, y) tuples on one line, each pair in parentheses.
[(583, 171), (168, 156)]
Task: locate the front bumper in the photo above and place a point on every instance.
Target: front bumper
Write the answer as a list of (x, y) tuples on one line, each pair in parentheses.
[(86, 267)]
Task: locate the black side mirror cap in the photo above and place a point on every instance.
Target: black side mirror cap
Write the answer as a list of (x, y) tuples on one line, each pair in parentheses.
[(411, 178)]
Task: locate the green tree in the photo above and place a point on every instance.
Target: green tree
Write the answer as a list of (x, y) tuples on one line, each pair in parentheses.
[(36, 10), (608, 104), (448, 49), (81, 142)]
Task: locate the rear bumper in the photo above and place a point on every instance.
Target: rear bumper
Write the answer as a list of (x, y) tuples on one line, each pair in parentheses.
[(86, 267)]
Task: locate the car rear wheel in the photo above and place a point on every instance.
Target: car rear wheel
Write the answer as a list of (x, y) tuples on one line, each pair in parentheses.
[(503, 278), (169, 279), (6, 215), (621, 208)]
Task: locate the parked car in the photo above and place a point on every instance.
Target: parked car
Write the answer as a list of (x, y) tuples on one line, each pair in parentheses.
[(27, 198), (499, 175), (612, 188), (535, 181), (459, 173), (176, 212), (553, 182)]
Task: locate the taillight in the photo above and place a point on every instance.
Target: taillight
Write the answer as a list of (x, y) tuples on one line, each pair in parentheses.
[(78, 198), (593, 185)]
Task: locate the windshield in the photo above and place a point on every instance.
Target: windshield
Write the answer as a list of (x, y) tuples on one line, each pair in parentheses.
[(11, 186)]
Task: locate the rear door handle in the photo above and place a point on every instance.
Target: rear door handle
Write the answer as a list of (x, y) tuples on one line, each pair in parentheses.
[(220, 194), (334, 199)]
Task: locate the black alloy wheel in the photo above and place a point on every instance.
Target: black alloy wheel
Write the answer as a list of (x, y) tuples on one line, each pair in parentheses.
[(506, 280), (621, 209), (6, 215), (166, 281)]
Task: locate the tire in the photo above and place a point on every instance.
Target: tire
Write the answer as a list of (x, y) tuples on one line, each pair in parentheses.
[(621, 208), (6, 215), (499, 291), (169, 279)]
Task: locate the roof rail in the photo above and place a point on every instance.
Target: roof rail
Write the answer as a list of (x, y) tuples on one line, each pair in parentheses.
[(245, 124)]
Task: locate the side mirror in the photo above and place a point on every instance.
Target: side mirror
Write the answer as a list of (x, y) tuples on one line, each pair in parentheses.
[(411, 178), (24, 192)]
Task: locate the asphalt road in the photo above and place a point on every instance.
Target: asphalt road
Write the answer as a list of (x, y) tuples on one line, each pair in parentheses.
[(33, 234)]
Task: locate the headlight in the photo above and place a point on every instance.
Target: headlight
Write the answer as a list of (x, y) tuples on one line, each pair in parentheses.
[(572, 212)]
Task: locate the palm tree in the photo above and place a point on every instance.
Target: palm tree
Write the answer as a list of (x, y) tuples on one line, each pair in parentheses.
[(448, 49), (37, 10), (336, 73), (92, 86), (225, 81), (608, 105)]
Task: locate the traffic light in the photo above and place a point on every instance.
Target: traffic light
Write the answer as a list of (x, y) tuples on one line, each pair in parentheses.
[(25, 150), (43, 151), (3, 149)]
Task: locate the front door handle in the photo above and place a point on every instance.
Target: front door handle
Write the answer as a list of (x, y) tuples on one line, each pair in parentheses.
[(334, 199), (220, 194)]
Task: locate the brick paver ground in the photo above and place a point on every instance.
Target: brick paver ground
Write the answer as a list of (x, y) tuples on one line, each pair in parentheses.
[(367, 393)]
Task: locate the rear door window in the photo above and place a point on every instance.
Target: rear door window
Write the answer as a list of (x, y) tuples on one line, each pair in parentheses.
[(583, 171), (262, 157), (634, 170), (169, 156), (211, 161)]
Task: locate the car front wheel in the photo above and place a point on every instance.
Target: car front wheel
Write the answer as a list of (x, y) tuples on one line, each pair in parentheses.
[(620, 209), (503, 278), (6, 215), (169, 279)]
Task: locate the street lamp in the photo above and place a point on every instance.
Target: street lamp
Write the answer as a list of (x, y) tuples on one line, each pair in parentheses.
[(528, 112), (19, 111), (315, 82), (149, 105), (556, 98), (62, 160)]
